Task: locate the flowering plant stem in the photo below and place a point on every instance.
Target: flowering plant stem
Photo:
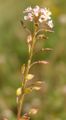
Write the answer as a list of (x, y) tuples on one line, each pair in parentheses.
[(41, 18), (20, 106)]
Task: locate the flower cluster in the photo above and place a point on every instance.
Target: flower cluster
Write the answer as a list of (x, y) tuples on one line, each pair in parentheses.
[(39, 15)]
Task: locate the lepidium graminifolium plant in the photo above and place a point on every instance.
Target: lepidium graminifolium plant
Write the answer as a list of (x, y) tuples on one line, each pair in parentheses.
[(42, 22)]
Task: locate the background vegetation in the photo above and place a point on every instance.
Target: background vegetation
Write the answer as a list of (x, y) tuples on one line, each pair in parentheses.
[(51, 100)]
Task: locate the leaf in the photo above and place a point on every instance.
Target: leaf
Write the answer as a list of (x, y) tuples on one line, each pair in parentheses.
[(18, 92), (27, 90), (30, 76)]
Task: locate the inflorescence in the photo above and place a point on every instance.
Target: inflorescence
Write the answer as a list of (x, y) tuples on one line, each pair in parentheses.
[(38, 15)]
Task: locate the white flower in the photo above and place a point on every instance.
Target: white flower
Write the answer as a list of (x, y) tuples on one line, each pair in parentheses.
[(28, 17), (36, 11), (42, 18), (29, 9), (42, 10), (38, 15), (25, 17), (50, 24), (46, 13)]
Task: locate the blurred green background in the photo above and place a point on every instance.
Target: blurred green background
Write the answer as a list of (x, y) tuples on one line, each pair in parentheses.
[(13, 53)]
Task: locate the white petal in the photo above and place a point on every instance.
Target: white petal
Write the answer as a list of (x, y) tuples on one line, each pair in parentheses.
[(29, 9), (30, 16), (36, 11), (50, 24), (40, 20), (25, 17)]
